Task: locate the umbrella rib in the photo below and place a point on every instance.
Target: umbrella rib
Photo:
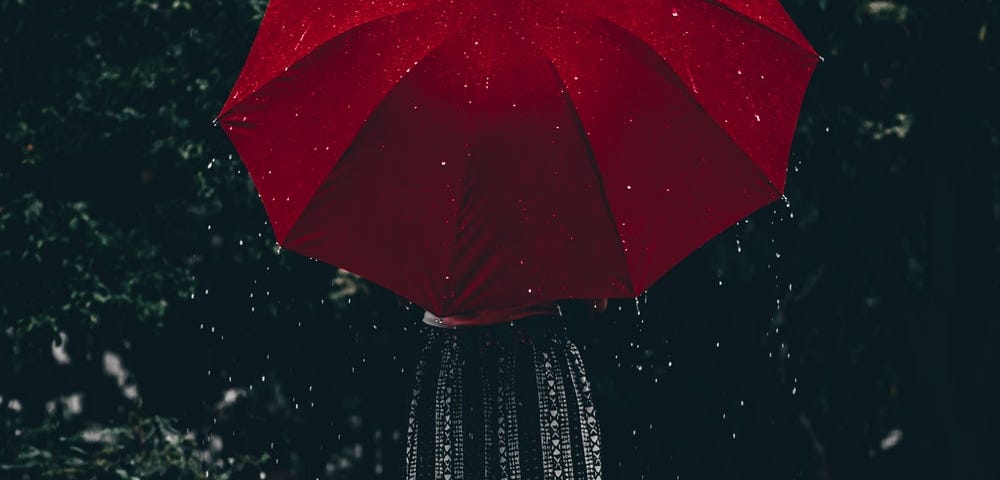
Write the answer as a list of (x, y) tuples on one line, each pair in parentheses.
[(322, 44), (675, 79), (329, 172), (592, 159), (747, 19)]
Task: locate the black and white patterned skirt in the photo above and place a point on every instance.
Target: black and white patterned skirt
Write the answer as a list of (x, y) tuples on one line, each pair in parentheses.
[(502, 402)]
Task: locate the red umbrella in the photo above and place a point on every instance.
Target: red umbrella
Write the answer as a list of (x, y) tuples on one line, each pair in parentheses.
[(475, 154)]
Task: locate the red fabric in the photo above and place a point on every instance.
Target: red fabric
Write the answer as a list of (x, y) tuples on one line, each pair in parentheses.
[(471, 154), (492, 316)]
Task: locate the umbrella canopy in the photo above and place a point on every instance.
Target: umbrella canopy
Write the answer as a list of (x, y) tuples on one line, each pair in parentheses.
[(475, 154)]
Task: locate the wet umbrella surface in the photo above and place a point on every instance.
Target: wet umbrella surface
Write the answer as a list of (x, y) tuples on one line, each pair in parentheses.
[(477, 154)]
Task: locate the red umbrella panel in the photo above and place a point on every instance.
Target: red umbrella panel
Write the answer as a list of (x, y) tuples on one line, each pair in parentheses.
[(477, 154)]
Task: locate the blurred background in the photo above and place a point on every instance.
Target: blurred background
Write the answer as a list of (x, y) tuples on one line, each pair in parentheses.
[(151, 329)]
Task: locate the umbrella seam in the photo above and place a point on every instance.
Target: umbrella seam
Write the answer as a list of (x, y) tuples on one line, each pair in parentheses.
[(691, 98), (319, 46), (330, 171), (464, 179), (751, 21), (592, 159)]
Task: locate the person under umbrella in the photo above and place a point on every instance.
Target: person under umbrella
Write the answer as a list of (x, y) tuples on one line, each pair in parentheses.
[(503, 394), (483, 159)]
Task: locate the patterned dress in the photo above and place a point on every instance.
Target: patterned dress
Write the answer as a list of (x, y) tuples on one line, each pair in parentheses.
[(508, 401)]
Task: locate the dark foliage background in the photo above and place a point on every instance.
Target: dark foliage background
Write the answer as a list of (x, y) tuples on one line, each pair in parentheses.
[(149, 327)]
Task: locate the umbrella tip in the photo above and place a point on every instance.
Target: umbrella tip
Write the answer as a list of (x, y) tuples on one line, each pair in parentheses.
[(821, 59)]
